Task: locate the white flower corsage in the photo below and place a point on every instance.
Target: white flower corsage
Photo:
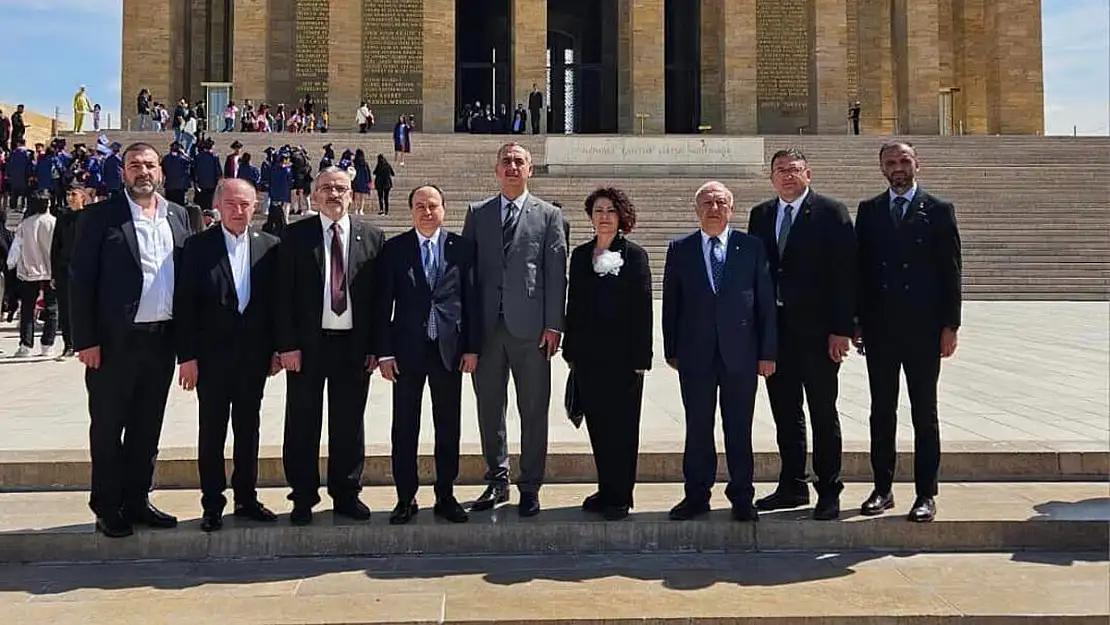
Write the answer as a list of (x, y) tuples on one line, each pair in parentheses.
[(608, 262)]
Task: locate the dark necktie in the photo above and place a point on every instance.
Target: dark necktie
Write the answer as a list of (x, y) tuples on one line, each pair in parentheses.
[(508, 228), (716, 263), (338, 275), (898, 210), (784, 228), (431, 274)]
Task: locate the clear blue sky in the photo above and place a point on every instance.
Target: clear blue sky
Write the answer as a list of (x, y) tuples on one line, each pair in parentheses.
[(84, 48)]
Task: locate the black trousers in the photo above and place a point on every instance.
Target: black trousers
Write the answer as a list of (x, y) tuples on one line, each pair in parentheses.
[(534, 116), (65, 320), (855, 126), (229, 390), (203, 198), (127, 402), (803, 364), (918, 354), (611, 400), (28, 296), (408, 393), (383, 199), (700, 390), (177, 196), (332, 360)]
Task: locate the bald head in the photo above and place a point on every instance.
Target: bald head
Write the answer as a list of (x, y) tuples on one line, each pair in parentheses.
[(235, 199)]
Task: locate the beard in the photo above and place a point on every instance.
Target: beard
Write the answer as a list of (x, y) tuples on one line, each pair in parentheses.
[(142, 189)]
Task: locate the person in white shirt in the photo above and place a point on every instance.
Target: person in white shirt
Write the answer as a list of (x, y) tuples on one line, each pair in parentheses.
[(323, 321), (29, 256), (121, 292), (224, 328)]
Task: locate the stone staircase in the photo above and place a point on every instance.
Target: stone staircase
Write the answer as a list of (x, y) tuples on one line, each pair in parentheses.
[(1031, 221)]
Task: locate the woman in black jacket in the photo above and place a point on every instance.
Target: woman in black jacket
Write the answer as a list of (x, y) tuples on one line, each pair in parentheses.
[(608, 345), (383, 182)]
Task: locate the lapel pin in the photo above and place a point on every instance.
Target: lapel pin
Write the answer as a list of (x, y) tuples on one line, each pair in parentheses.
[(254, 234), (358, 238)]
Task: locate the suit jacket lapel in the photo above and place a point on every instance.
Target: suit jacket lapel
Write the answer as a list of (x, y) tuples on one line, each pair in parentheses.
[(731, 258), (770, 233), (318, 251), (356, 248), (416, 263), (258, 250), (127, 226), (697, 252)]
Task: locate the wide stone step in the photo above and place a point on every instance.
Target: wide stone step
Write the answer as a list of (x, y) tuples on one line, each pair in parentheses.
[(573, 463), (810, 587), (56, 527)]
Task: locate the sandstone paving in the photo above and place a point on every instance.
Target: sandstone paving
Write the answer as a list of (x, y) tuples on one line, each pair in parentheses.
[(588, 588), (1032, 374)]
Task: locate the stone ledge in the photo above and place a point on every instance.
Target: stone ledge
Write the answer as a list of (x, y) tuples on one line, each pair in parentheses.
[(56, 527), (573, 463)]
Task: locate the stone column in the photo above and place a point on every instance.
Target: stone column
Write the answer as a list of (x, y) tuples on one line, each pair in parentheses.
[(642, 83), (529, 52), (711, 109), (147, 55), (920, 67), (973, 50), (738, 66), (830, 60), (250, 50), (344, 63), (439, 66), (876, 69), (1017, 28)]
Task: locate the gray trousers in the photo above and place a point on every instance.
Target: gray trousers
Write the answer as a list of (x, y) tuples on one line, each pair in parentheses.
[(501, 354)]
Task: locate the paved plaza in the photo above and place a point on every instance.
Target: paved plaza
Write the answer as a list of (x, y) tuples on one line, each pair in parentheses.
[(1028, 373)]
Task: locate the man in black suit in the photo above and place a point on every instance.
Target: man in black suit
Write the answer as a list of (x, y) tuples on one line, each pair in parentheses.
[(121, 301), (535, 107), (812, 251), (909, 314), (718, 333), (427, 329), (225, 327), (323, 320)]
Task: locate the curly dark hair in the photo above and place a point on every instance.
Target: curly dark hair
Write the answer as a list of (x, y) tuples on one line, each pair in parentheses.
[(626, 210)]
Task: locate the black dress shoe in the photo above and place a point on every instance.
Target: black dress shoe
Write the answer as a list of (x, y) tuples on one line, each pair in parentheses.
[(301, 515), (877, 503), (745, 513), (614, 513), (255, 511), (688, 509), (403, 512), (828, 509), (352, 508), (211, 521), (113, 526), (529, 504), (781, 500), (450, 510), (593, 503), (148, 515), (924, 510), (494, 494)]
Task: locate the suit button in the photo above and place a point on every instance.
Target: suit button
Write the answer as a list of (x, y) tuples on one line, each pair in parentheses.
[(884, 263), (905, 265), (907, 287), (883, 287)]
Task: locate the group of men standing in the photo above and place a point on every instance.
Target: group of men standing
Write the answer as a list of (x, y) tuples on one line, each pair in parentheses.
[(332, 301)]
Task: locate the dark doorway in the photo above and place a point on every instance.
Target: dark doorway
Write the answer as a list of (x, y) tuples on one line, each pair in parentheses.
[(482, 39), (582, 43), (682, 61)]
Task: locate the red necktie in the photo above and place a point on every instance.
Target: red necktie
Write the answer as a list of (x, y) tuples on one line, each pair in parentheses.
[(338, 277)]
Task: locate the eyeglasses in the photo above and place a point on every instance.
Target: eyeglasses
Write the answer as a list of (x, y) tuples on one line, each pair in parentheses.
[(333, 188), (788, 171)]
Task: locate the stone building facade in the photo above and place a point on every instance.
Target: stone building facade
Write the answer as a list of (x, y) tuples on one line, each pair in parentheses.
[(607, 66)]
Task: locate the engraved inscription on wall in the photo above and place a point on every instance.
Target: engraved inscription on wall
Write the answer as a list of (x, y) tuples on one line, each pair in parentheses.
[(853, 49), (393, 52), (782, 65), (311, 57)]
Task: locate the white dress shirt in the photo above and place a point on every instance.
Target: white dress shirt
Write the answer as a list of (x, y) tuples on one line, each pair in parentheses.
[(909, 194), (155, 239), (239, 256), (330, 320), (707, 249), (797, 204)]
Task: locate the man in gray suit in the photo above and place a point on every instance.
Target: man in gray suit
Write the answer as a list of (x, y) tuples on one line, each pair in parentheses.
[(521, 276)]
